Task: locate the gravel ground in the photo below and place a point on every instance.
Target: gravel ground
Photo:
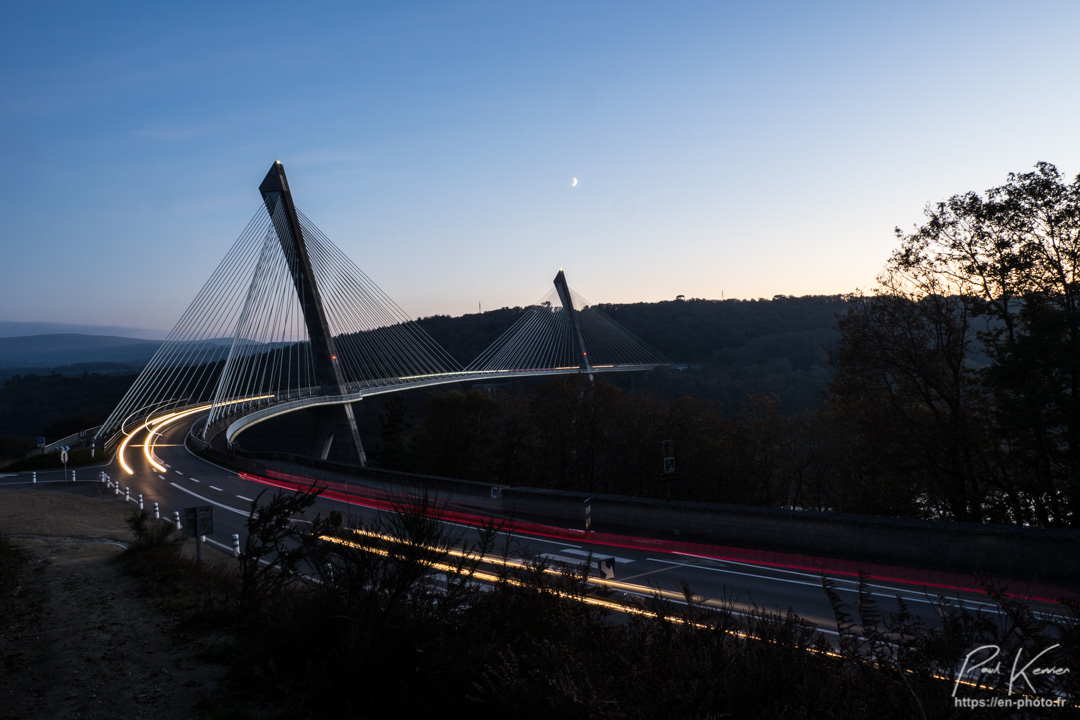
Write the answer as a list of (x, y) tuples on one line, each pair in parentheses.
[(85, 641)]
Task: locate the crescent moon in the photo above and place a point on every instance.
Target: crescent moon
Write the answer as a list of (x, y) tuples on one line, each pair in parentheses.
[(574, 184)]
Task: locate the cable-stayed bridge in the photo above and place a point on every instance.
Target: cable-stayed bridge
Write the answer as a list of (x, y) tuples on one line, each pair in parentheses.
[(288, 322)]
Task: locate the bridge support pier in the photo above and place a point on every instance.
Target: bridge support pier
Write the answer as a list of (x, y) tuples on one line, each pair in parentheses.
[(336, 422)]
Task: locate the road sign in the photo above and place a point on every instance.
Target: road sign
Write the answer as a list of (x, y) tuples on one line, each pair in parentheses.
[(63, 456), (41, 442), (669, 457), (199, 520)]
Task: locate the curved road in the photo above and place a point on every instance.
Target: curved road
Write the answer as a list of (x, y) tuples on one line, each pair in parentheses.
[(175, 478)]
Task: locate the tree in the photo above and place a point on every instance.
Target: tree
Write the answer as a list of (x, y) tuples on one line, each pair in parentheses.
[(396, 449), (456, 432), (904, 391), (1016, 254), (1009, 260), (278, 551)]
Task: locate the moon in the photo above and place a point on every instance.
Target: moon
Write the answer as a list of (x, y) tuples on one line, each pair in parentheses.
[(574, 184)]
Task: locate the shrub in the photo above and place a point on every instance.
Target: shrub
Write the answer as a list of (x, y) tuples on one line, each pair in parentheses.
[(150, 532)]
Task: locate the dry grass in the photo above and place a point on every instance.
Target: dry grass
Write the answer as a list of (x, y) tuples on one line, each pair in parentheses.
[(34, 512), (86, 640)]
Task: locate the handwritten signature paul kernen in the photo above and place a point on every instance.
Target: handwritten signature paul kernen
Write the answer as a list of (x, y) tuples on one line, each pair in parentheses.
[(1025, 672)]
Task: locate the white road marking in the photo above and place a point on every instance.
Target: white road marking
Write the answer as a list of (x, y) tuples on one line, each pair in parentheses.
[(163, 477), (178, 472), (596, 555), (216, 488), (244, 498), (892, 590), (212, 502), (891, 596), (563, 559), (223, 546), (193, 480)]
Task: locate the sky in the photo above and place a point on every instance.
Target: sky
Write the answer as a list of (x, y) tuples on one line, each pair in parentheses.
[(722, 149)]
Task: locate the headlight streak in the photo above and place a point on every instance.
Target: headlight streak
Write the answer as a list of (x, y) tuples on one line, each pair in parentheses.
[(493, 578), (598, 602), (120, 452), (155, 425)]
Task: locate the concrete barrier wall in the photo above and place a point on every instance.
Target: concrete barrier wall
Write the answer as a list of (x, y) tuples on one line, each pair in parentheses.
[(1027, 554), (1037, 555)]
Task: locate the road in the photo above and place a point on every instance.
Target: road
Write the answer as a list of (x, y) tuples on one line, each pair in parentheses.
[(169, 474)]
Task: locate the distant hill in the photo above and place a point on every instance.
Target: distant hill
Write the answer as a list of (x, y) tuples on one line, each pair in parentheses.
[(60, 350), (10, 328)]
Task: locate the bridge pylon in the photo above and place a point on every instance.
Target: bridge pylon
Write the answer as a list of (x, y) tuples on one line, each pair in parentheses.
[(575, 324), (563, 333), (332, 421)]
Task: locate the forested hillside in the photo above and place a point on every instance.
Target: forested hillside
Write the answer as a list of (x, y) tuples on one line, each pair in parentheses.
[(727, 348), (732, 347), (53, 406)]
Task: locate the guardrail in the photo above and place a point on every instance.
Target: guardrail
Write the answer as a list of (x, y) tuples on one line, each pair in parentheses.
[(414, 383), (72, 440)]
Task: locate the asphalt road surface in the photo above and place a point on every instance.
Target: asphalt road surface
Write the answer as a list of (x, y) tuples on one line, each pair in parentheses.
[(175, 478)]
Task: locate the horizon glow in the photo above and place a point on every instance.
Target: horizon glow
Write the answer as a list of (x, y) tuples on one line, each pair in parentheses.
[(722, 151)]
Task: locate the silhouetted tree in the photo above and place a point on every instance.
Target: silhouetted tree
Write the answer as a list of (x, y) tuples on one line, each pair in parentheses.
[(1016, 254)]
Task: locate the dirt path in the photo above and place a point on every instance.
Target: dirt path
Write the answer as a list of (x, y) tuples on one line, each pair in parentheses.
[(85, 643)]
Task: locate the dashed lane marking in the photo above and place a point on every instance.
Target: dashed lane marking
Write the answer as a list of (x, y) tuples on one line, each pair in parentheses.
[(216, 488), (212, 502)]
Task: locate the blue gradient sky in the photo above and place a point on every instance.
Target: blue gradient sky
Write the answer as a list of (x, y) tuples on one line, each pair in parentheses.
[(744, 149)]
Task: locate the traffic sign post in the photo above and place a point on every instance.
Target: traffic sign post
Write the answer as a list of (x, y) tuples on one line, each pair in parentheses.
[(669, 473), (198, 521)]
